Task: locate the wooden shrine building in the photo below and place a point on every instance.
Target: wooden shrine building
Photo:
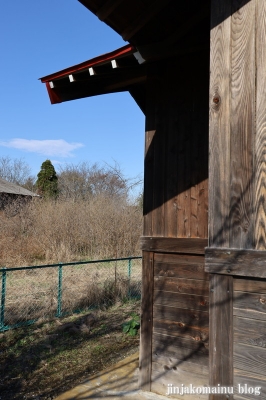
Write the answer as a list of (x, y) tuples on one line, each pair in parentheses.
[(197, 69)]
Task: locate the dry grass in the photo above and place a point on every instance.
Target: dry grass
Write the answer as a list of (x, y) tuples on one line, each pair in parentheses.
[(44, 360), (53, 231), (33, 294)]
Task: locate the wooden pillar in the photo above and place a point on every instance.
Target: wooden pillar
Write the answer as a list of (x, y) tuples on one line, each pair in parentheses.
[(221, 331), (237, 169)]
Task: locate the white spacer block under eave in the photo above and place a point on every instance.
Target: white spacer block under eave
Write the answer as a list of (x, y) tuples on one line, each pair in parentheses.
[(114, 64)]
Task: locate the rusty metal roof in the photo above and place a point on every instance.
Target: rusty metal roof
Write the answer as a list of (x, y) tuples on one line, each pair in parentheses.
[(12, 188)]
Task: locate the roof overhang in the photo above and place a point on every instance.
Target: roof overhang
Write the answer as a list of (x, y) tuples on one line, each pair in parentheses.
[(119, 70), (156, 29)]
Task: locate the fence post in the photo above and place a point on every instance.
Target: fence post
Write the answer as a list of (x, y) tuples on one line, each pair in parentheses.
[(129, 276), (59, 292), (3, 300)]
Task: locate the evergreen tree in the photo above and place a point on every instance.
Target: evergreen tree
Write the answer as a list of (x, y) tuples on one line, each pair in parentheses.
[(47, 180)]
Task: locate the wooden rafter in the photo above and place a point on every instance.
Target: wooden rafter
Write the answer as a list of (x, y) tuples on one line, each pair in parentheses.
[(119, 79), (143, 18), (107, 8), (162, 48)]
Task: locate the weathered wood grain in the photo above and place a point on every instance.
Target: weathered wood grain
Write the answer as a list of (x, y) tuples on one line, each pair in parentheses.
[(171, 148), (219, 161), (249, 358), (186, 259), (203, 206), (194, 161), (260, 137), (249, 285), (196, 333), (242, 124), (250, 305), (164, 345), (173, 245), (165, 342), (152, 88), (168, 363), (161, 379), (181, 300), (176, 150), (221, 331), (181, 285), (179, 266), (158, 213), (146, 321), (184, 317), (147, 192), (250, 331), (249, 263), (199, 143), (183, 176), (253, 380)]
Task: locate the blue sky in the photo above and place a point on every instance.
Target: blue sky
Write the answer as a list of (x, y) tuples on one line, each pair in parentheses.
[(39, 38)]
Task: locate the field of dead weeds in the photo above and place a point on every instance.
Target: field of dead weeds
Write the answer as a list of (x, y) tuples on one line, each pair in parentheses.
[(49, 231)]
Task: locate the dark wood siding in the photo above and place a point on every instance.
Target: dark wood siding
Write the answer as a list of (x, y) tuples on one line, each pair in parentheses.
[(176, 156), (176, 221)]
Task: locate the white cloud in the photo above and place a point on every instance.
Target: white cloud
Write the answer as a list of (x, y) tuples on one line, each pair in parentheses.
[(58, 148), (54, 162)]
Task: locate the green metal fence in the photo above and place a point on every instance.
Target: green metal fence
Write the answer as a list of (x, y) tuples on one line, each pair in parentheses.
[(55, 290)]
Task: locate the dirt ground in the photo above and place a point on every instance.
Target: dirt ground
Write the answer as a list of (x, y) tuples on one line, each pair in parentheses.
[(43, 360)]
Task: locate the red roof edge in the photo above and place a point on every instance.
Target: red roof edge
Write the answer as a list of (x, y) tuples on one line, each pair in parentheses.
[(128, 49), (54, 98)]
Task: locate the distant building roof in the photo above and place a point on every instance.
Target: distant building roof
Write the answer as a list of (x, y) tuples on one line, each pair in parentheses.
[(12, 188)]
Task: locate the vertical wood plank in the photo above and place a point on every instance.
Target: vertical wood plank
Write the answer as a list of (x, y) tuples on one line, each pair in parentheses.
[(221, 332), (203, 199), (200, 146), (221, 287), (202, 210), (260, 138), (219, 141), (183, 173), (171, 133), (148, 183), (151, 112), (158, 217), (145, 358), (242, 124), (194, 142)]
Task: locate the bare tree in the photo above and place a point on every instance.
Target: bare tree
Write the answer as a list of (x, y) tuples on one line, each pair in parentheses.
[(15, 170), (84, 180)]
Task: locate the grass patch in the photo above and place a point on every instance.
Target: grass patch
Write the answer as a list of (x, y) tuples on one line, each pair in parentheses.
[(43, 360), (33, 293)]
